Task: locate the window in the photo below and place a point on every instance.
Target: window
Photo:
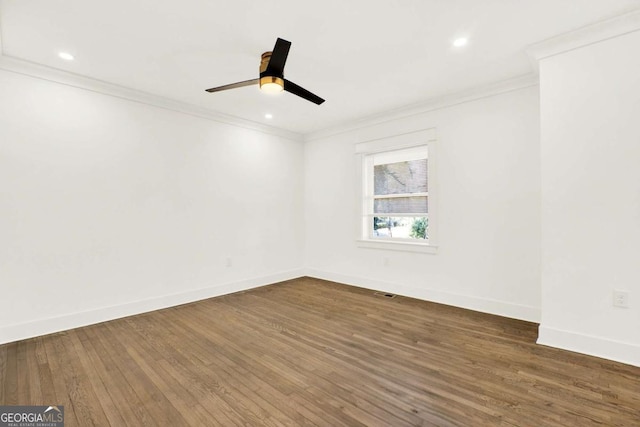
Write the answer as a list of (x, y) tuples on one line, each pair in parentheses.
[(396, 197)]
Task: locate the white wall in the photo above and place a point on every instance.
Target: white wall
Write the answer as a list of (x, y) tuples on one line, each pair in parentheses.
[(590, 117), (110, 207), (489, 209)]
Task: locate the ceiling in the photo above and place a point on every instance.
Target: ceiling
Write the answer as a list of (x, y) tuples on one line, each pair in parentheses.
[(363, 56)]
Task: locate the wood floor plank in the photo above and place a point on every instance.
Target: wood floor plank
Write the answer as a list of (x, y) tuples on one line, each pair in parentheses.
[(56, 358), (114, 376), (86, 406), (128, 407), (109, 408), (307, 352), (193, 414), (342, 353), (46, 387), (23, 374), (281, 385), (35, 388), (154, 401), (222, 397), (4, 371)]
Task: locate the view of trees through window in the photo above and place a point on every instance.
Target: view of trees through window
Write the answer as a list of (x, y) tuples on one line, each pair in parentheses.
[(400, 202), (401, 227)]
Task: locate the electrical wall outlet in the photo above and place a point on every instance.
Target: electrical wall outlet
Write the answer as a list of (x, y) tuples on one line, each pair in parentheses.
[(621, 299), (229, 262), (385, 261)]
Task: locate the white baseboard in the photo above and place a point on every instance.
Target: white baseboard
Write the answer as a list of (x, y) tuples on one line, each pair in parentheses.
[(485, 305), (593, 346), (83, 318)]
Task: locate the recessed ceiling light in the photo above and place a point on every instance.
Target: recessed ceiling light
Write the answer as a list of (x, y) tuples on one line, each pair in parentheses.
[(66, 56), (268, 116), (461, 41)]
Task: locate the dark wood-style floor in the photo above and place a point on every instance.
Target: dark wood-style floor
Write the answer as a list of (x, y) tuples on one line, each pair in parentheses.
[(310, 352)]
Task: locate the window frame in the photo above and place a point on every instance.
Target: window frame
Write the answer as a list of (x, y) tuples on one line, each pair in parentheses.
[(400, 148)]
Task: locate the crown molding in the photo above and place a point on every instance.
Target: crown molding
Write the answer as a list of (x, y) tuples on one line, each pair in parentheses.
[(42, 72), (585, 36), (432, 104)]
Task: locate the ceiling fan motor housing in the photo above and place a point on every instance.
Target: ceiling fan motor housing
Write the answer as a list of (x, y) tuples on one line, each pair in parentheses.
[(266, 57), (268, 82)]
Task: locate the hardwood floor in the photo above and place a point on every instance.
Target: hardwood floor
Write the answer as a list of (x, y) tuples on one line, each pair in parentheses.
[(310, 352)]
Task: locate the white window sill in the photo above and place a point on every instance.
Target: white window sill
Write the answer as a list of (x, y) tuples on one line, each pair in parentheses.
[(397, 246)]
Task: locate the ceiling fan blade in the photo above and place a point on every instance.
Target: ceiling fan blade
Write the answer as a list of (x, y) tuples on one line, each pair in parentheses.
[(234, 85), (278, 58), (302, 92)]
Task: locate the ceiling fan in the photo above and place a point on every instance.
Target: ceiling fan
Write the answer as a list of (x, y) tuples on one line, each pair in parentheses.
[(271, 78)]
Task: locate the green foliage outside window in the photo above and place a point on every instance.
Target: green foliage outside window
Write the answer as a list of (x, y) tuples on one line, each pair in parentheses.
[(419, 228)]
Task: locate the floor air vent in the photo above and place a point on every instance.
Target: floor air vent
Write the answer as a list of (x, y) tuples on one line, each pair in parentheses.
[(384, 294)]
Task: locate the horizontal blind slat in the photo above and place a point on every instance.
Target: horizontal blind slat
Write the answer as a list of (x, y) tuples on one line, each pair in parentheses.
[(416, 205)]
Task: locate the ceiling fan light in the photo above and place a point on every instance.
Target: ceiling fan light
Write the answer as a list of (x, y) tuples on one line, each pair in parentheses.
[(271, 84)]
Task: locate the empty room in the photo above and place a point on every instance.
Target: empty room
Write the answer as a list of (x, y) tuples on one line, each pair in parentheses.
[(341, 213)]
